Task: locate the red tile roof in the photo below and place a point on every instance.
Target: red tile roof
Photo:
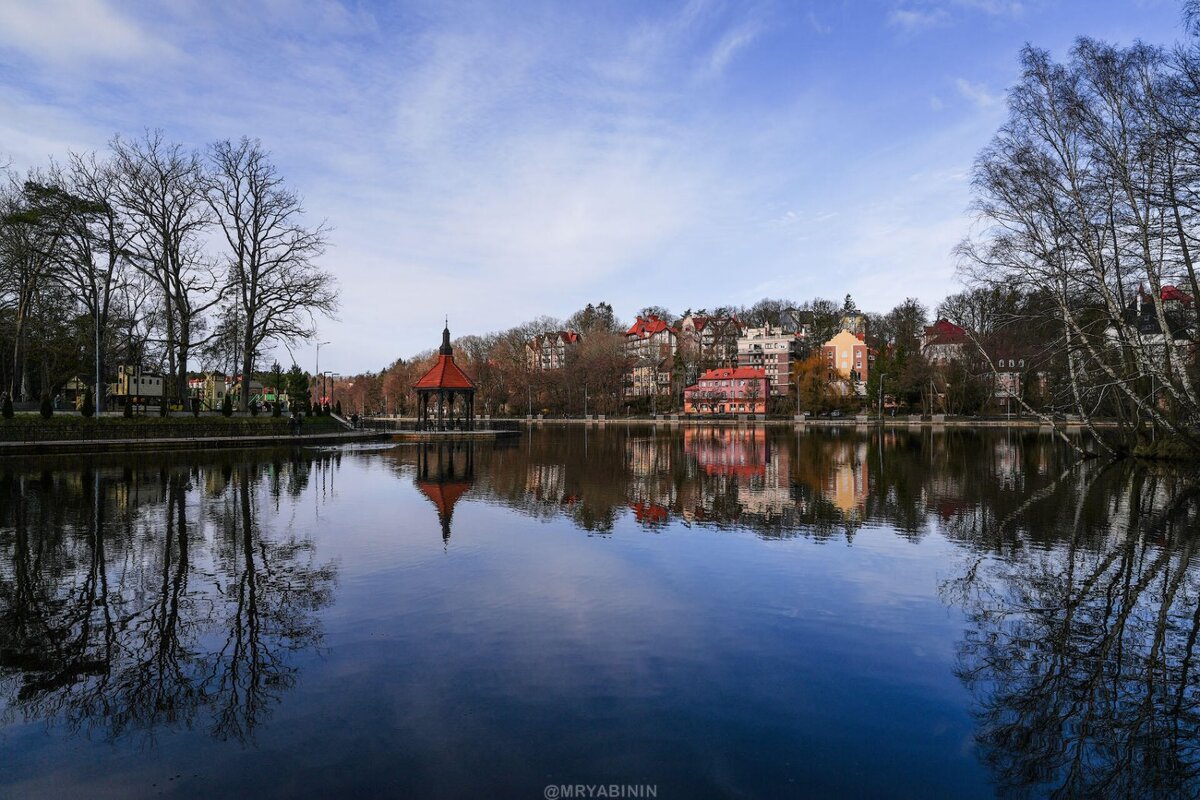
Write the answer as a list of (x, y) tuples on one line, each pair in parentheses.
[(647, 326), (734, 373), (445, 374), (1173, 293), (945, 332)]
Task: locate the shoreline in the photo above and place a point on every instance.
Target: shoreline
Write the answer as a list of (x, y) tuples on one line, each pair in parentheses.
[(87, 446)]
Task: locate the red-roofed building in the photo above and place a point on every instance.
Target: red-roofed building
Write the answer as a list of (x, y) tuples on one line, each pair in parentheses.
[(448, 390), (549, 350), (712, 341), (650, 348), (729, 390), (943, 342)]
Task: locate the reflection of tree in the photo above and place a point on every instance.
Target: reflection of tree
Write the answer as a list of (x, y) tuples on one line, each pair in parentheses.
[(1081, 656), (116, 617)]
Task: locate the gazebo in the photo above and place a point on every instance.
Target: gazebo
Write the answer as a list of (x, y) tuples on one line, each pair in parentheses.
[(450, 391)]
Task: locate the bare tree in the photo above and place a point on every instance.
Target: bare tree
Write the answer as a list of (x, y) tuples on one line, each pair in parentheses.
[(278, 289), (96, 236), (1071, 196), (161, 187), (29, 242)]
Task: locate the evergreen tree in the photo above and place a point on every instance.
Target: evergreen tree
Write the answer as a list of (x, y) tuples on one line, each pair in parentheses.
[(47, 409), (89, 404), (337, 409), (227, 406), (8, 409), (128, 408)]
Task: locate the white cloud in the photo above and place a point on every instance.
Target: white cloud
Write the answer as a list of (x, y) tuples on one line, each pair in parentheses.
[(730, 45), (913, 20), (76, 32), (977, 93)]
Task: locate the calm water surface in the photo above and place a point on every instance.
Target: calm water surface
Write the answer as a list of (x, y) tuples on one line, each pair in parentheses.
[(709, 612)]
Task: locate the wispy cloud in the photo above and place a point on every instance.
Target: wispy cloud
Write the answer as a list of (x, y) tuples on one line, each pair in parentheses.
[(977, 93), (76, 32), (730, 45), (915, 20)]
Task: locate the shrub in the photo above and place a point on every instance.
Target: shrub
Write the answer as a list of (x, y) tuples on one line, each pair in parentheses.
[(337, 409), (276, 411), (8, 409), (196, 407), (128, 412), (227, 406), (47, 409), (254, 409), (162, 407), (88, 409)]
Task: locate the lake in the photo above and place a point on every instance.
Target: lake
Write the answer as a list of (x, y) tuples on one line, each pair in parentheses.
[(705, 612)]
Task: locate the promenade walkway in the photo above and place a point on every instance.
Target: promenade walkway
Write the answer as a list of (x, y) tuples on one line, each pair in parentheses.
[(185, 443)]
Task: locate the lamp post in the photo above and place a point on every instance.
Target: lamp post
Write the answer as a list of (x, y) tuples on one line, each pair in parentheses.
[(326, 388), (317, 371)]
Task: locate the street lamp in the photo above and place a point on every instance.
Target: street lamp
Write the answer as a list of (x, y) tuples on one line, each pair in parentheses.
[(324, 391), (317, 371)]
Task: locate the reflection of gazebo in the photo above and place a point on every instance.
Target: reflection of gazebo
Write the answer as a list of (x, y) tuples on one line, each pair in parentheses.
[(445, 472), (443, 384)]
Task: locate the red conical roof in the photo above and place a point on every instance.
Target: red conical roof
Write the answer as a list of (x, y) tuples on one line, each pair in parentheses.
[(445, 374)]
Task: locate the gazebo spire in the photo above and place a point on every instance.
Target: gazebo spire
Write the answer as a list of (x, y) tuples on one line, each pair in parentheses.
[(446, 349)]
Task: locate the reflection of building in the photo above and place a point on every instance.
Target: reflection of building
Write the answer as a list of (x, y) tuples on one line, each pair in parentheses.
[(848, 482), (445, 472), (727, 451)]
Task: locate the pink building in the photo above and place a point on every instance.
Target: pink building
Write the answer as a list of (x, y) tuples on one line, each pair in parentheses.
[(739, 390)]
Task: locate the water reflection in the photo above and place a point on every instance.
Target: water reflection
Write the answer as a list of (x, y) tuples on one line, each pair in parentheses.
[(775, 482), (133, 599), (1082, 656), (945, 579), (445, 472)]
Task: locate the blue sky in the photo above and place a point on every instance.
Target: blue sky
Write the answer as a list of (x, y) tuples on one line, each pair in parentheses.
[(499, 161)]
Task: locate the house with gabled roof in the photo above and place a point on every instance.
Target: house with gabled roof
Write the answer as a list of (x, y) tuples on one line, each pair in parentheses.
[(650, 344), (549, 350)]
